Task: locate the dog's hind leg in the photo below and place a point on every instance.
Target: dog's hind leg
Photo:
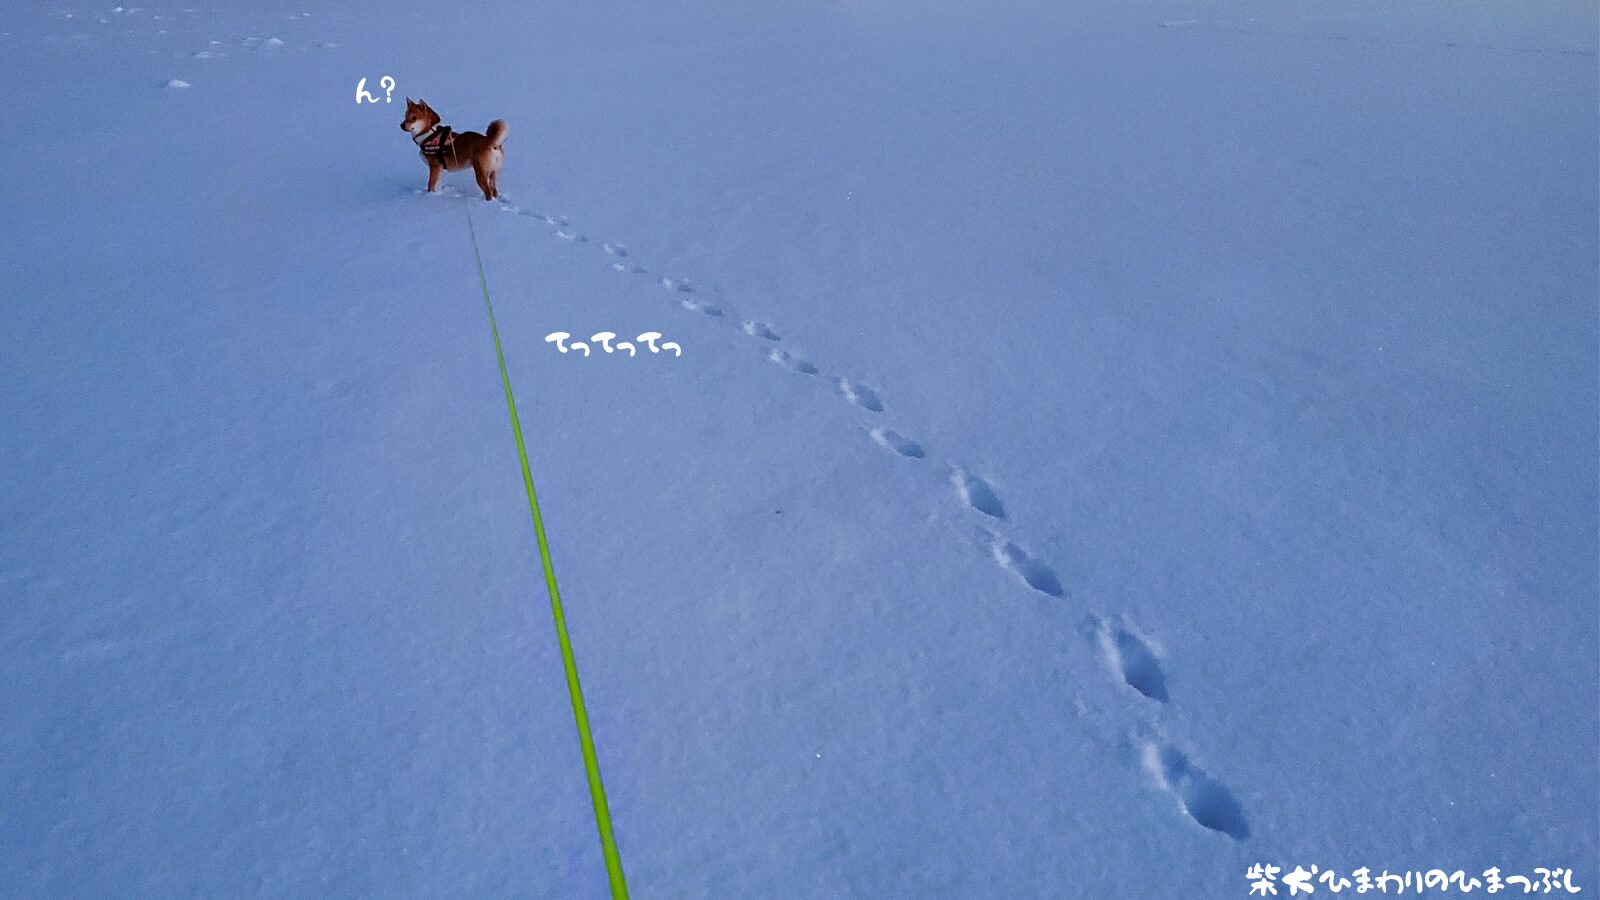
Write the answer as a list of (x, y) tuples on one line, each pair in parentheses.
[(485, 183)]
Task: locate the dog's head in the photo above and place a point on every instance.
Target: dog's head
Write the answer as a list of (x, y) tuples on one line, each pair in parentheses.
[(419, 117)]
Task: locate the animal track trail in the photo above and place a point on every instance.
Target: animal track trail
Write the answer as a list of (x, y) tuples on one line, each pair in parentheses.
[(1127, 654), (759, 329), (509, 207), (1031, 571), (899, 443), (1131, 657), (859, 394), (701, 307), (1202, 797), (977, 493), (790, 361), (620, 252)]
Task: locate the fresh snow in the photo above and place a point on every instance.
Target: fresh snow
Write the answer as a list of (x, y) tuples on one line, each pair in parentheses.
[(1113, 445)]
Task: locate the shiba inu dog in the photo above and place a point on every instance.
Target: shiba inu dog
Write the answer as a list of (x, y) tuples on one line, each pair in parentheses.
[(443, 149)]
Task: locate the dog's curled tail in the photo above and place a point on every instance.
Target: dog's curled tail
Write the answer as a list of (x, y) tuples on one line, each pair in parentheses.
[(496, 133)]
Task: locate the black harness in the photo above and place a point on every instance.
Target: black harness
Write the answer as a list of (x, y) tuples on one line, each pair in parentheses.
[(438, 144)]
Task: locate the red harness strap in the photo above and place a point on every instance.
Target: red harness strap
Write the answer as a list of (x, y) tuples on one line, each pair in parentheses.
[(438, 142)]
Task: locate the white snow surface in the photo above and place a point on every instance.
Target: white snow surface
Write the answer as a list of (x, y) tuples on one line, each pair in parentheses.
[(1111, 447)]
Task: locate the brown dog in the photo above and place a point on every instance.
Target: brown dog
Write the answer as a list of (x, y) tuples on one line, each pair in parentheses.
[(444, 149)]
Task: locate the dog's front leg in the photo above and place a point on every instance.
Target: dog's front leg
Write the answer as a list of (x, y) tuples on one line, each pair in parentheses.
[(433, 175)]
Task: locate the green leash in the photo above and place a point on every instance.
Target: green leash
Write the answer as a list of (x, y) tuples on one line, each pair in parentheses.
[(580, 715)]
